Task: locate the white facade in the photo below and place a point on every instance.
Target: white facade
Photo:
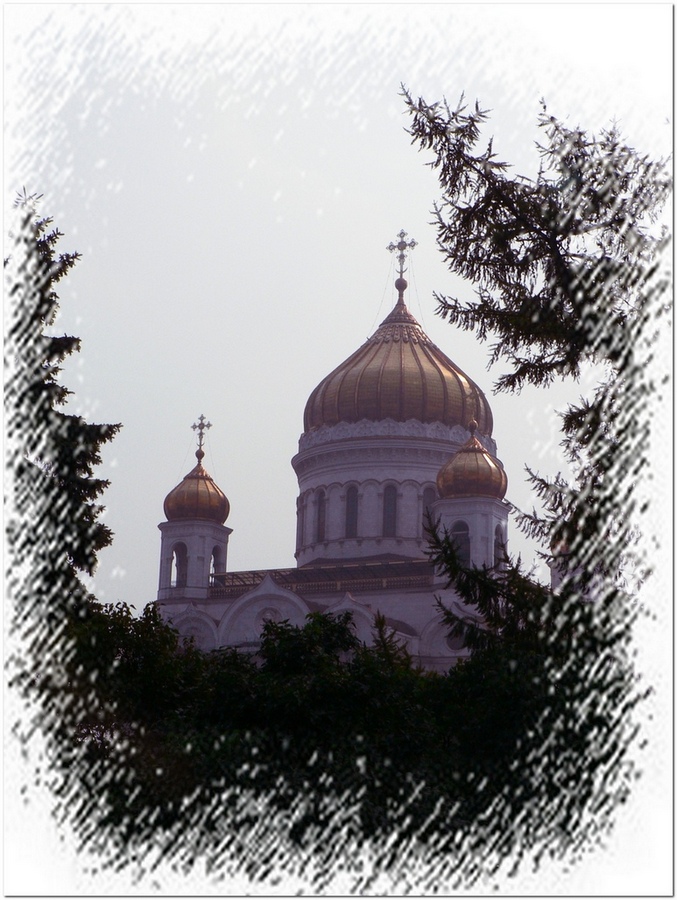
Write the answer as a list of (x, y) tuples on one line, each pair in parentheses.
[(411, 612), (367, 572)]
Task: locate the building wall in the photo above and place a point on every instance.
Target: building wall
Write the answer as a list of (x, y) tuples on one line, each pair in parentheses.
[(196, 540), (412, 614), (372, 456), (483, 516)]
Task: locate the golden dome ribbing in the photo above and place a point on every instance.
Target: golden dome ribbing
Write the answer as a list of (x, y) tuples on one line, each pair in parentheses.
[(398, 374), (197, 497), (472, 472)]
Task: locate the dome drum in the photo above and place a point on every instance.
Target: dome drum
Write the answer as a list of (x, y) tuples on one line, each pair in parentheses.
[(365, 517)]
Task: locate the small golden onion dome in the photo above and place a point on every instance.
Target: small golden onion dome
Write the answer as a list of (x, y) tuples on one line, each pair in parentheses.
[(197, 497), (472, 472), (398, 374)]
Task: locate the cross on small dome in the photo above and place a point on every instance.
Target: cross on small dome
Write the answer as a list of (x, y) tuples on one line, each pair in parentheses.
[(200, 426)]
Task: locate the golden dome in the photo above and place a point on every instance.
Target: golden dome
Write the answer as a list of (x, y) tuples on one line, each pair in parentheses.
[(472, 472), (197, 497), (398, 374)]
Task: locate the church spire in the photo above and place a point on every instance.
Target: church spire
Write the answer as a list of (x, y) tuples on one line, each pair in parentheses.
[(402, 246)]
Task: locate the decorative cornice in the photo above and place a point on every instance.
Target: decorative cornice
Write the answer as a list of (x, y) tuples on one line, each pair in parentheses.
[(349, 458), (412, 428), (337, 448)]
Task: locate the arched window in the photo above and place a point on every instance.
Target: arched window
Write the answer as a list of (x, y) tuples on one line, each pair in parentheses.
[(499, 546), (429, 497), (390, 511), (351, 512), (179, 574), (300, 521), (460, 535), (321, 516), (216, 564)]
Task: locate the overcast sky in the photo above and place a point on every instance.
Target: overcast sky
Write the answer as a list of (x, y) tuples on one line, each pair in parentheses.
[(232, 176)]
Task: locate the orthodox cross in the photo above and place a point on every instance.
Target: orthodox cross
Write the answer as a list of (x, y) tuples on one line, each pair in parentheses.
[(201, 428), (402, 246)]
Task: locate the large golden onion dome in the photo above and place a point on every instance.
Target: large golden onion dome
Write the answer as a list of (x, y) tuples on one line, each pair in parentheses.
[(472, 472), (398, 374)]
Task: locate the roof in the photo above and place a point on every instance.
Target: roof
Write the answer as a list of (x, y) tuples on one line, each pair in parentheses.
[(342, 577), (398, 374)]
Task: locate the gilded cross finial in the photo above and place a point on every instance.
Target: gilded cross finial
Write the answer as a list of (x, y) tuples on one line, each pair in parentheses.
[(200, 426), (402, 246)]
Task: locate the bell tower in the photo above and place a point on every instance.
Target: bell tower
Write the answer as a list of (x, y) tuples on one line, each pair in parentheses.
[(194, 542)]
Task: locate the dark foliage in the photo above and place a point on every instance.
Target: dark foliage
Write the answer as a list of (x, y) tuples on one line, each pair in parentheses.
[(564, 264), (53, 526), (319, 725), (569, 273), (323, 743)]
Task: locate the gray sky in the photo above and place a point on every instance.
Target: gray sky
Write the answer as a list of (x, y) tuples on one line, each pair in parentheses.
[(232, 176)]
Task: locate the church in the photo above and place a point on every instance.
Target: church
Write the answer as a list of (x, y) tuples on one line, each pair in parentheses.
[(395, 432)]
